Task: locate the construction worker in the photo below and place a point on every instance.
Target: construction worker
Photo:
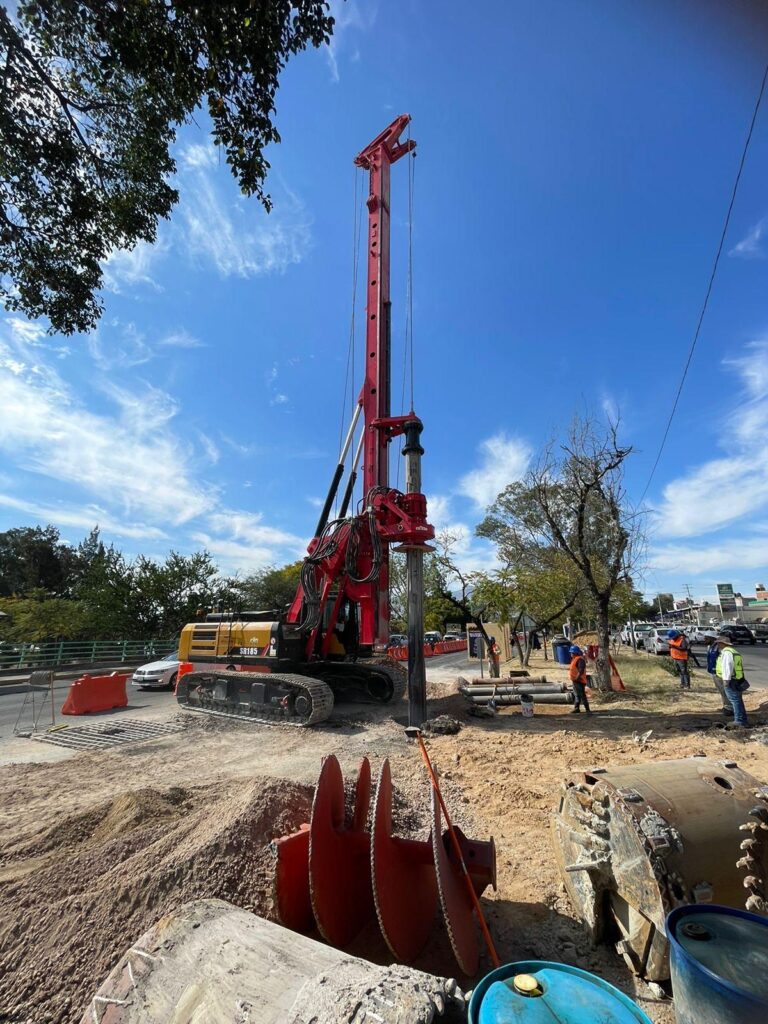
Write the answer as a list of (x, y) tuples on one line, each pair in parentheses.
[(493, 658), (713, 653), (577, 673), (679, 649), (730, 668)]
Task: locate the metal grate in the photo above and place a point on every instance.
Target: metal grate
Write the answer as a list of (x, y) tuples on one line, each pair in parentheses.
[(108, 734)]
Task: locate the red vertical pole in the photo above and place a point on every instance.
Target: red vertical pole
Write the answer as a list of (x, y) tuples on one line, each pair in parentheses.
[(377, 159)]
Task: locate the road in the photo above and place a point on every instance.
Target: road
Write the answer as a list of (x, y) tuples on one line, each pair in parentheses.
[(440, 667), (11, 705), (755, 662)]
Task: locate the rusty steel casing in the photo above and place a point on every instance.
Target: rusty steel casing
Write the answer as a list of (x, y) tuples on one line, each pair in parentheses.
[(634, 842)]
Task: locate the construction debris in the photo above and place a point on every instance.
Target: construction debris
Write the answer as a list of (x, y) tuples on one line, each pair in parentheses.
[(261, 974)]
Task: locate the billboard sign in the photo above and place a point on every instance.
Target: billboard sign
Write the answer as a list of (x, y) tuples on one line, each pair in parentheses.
[(726, 598)]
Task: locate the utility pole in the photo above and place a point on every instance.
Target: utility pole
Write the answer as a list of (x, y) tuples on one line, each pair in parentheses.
[(661, 610)]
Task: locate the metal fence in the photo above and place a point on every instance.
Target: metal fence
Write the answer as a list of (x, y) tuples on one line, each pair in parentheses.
[(73, 651)]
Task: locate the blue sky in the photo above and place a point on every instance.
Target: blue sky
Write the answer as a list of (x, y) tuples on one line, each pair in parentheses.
[(575, 160)]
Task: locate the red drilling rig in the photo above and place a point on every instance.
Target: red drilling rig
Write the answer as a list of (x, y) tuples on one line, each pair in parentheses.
[(333, 639)]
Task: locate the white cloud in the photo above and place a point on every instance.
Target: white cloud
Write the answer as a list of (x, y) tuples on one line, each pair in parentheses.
[(116, 458), (242, 542), (721, 555), (212, 452), (438, 510), (23, 332), (751, 246), (116, 345), (180, 339), (238, 238), (83, 517), (199, 155), (249, 528), (723, 490), (135, 266), (349, 16), (502, 461)]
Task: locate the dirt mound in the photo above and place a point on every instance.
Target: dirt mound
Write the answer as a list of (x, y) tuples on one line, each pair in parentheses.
[(74, 895)]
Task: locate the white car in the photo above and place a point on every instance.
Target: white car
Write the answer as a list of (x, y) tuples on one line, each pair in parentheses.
[(656, 641), (642, 629), (157, 675), (699, 634), (452, 637)]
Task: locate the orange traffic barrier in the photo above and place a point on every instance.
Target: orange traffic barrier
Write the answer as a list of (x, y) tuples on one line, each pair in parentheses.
[(444, 647), (96, 693)]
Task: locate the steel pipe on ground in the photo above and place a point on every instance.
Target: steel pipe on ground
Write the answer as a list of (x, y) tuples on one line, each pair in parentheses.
[(515, 698), (479, 691)]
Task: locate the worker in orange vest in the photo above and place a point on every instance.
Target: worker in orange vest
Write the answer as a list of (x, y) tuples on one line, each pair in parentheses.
[(577, 673), (680, 650)]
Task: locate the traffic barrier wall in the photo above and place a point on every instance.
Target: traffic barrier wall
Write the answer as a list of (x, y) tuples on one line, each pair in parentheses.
[(430, 650), (96, 693)]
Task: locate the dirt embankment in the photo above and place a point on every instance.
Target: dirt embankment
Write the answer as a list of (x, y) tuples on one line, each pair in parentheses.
[(79, 891)]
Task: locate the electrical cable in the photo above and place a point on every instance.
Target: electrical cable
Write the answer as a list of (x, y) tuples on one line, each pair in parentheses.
[(709, 286)]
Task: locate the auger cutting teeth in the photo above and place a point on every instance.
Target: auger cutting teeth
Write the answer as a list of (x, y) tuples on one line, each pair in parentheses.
[(338, 876)]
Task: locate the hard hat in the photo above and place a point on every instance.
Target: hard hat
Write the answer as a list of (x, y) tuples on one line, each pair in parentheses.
[(672, 633), (573, 649)]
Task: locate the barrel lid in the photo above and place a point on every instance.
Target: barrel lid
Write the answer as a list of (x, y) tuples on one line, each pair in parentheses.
[(539, 992)]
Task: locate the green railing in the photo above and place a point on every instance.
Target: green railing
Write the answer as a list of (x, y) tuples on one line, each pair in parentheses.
[(74, 651)]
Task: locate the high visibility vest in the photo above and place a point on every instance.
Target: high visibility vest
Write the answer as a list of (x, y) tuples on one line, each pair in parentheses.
[(574, 674), (738, 664), (676, 649)]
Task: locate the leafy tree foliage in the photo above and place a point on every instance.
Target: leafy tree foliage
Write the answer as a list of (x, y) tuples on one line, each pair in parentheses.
[(39, 618), (438, 611), (91, 95), (33, 558), (271, 587)]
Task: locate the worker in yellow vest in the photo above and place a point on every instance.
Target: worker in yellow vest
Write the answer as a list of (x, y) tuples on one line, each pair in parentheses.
[(730, 668), (577, 673), (679, 648)]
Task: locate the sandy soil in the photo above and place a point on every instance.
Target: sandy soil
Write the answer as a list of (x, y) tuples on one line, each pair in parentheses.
[(97, 847)]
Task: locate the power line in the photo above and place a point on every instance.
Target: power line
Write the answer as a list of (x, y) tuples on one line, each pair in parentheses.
[(711, 282)]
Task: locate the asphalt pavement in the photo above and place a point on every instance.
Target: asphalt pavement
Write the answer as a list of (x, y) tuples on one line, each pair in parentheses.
[(11, 705), (755, 662)]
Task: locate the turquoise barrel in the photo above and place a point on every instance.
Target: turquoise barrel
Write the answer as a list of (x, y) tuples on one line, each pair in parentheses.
[(719, 965), (540, 992)]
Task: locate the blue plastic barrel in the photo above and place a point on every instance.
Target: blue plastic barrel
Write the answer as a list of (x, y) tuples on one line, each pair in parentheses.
[(560, 647), (719, 965), (540, 992)]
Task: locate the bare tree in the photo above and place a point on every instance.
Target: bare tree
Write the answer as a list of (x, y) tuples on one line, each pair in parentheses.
[(573, 504), (458, 585)]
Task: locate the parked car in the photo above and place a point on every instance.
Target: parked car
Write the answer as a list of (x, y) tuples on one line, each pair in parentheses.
[(699, 634), (656, 641), (398, 640), (641, 630), (157, 674), (453, 636), (432, 637), (738, 634)]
